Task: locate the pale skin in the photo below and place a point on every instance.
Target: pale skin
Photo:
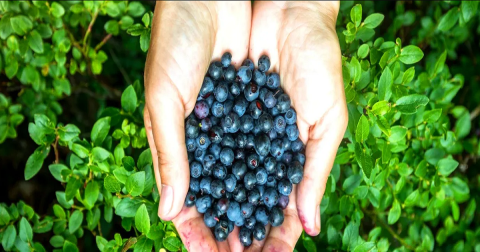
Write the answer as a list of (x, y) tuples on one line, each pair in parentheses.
[(300, 39)]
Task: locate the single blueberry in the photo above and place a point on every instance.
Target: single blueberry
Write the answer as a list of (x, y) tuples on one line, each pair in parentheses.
[(194, 185), (262, 214), (203, 203), (297, 145), (246, 124), (256, 109), (273, 81), (245, 236), (230, 182), (270, 100), (228, 106), (217, 109), (229, 73), (226, 156), (201, 109), (247, 209), (266, 122), (271, 181), (286, 144), (219, 171), (239, 169), (207, 87), (259, 232), (215, 149), (283, 201), (241, 141), (220, 232), (270, 197), (287, 157), (251, 92), (270, 164), (279, 123), (240, 193), (299, 157), (244, 75), (206, 124), (250, 222), (261, 175), (202, 141), (290, 116), (205, 185), (221, 206), (254, 196), (260, 78), (276, 149), (264, 63), (252, 161), (233, 211), (284, 187), (295, 172), (262, 145), (221, 92), (191, 128), (240, 154), (191, 144), (210, 218), (228, 142), (292, 132), (276, 216), (240, 105), (235, 89), (280, 170), (190, 199), (199, 154), (248, 63), (249, 180), (283, 103), (215, 134), (195, 169), (215, 70), (226, 59), (218, 188)]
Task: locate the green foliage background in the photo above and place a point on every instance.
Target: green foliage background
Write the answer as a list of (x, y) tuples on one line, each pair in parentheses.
[(406, 176)]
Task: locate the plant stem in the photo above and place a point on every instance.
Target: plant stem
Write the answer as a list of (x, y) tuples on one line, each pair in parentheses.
[(55, 149), (89, 30), (104, 40), (475, 113)]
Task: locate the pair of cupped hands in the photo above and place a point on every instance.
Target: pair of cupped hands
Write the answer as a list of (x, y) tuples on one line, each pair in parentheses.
[(300, 39)]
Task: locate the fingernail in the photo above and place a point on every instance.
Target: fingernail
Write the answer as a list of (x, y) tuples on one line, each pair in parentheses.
[(317, 219), (166, 201)]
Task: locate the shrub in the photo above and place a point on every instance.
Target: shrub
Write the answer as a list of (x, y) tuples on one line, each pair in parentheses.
[(404, 177)]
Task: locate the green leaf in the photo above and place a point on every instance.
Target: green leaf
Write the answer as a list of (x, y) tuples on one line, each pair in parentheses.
[(135, 183), (309, 244), (56, 171), (364, 160), (145, 158), (21, 24), (112, 27), (172, 243), (57, 9), (412, 198), (91, 194), (59, 211), (434, 155), (68, 132), (142, 219), (146, 19), (61, 198), (410, 54), (100, 130), (394, 213), (446, 166), (111, 184), (62, 86), (35, 161), (75, 221), (69, 247), (25, 230), (136, 30), (4, 216), (57, 241), (96, 66), (381, 108), (11, 69), (100, 154), (101, 242), (365, 247), (469, 9), (432, 116), (448, 20), (35, 42), (356, 14), (128, 163), (408, 75), (112, 9), (129, 99), (9, 236), (127, 207), (145, 40), (440, 63), (135, 9), (463, 126), (355, 69), (373, 20), (350, 236), (156, 232), (126, 22), (362, 51), (144, 244), (385, 85), (410, 103), (363, 128), (73, 185), (398, 133)]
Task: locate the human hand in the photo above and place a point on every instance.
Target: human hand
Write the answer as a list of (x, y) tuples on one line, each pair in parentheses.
[(186, 37), (302, 44)]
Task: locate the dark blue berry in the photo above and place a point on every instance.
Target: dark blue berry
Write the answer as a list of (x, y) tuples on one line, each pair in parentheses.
[(286, 144), (262, 145), (250, 222), (240, 154), (202, 141), (207, 87), (226, 59), (247, 209), (246, 123), (195, 169), (276, 150), (221, 206), (295, 172), (230, 183), (249, 63), (241, 141), (299, 157), (245, 236), (283, 103), (226, 156), (240, 194), (271, 181), (205, 185), (219, 171), (221, 92), (266, 122), (228, 141), (273, 81), (228, 106), (229, 73), (217, 109), (194, 185), (215, 70), (269, 100), (270, 164), (250, 141), (262, 214), (261, 175), (215, 134), (272, 135), (244, 75), (259, 77), (284, 187), (276, 216), (287, 157), (190, 199), (274, 111), (251, 92), (233, 211), (231, 122), (218, 188), (191, 128), (264, 63), (210, 218), (235, 90), (252, 161), (199, 154), (254, 196), (280, 170), (239, 222), (270, 197), (203, 203), (240, 105), (259, 232), (221, 231), (256, 109), (206, 124), (291, 116), (239, 169), (249, 180), (215, 149), (297, 145), (292, 132), (191, 144), (279, 123)]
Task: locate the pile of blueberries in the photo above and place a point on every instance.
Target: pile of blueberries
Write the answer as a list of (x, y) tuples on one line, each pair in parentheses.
[(243, 149)]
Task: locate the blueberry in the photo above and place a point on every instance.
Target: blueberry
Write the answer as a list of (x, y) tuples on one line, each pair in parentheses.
[(215, 134), (245, 236), (207, 87), (286, 144), (251, 92), (208, 161), (240, 194), (299, 157), (231, 122), (246, 124), (203, 203), (292, 132), (261, 190), (270, 163), (228, 106), (266, 122), (226, 156), (191, 144), (283, 201), (217, 109), (270, 100), (201, 109), (240, 154), (228, 141), (283, 103), (244, 75), (284, 187), (270, 197), (207, 171), (259, 77), (231, 226), (215, 70), (257, 128), (274, 111), (254, 196), (273, 81), (229, 73), (279, 123), (256, 109), (191, 128), (252, 161), (226, 59), (210, 218), (259, 232), (239, 222), (297, 145), (202, 141), (241, 141), (290, 116), (209, 98), (190, 199), (219, 171), (190, 156), (264, 63), (230, 183), (239, 169), (280, 170), (221, 92), (233, 211), (262, 214), (261, 176), (246, 209), (249, 63), (295, 172), (271, 181), (249, 180), (195, 169), (221, 231), (240, 105), (276, 216), (250, 141), (215, 149), (205, 185), (272, 134), (235, 89), (250, 222), (199, 154), (221, 206), (206, 124), (276, 149), (194, 185), (218, 188), (287, 157)]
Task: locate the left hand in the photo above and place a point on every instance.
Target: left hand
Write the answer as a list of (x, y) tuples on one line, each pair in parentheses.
[(302, 44)]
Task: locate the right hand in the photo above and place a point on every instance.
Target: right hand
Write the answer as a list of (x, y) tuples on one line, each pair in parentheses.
[(186, 37)]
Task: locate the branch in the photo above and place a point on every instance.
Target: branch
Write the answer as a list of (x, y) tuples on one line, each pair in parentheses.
[(89, 30), (55, 149), (103, 42), (475, 113)]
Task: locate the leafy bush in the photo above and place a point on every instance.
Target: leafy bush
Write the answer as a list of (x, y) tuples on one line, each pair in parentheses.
[(404, 178)]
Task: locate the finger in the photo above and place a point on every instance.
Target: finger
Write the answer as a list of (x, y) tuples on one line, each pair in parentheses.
[(151, 144), (193, 232), (320, 154), (258, 245), (285, 236), (234, 241)]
